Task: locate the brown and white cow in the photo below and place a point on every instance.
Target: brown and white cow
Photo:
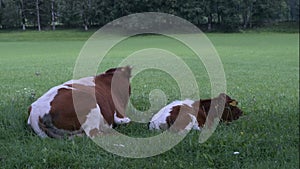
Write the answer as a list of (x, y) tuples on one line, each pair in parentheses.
[(189, 114), (87, 105)]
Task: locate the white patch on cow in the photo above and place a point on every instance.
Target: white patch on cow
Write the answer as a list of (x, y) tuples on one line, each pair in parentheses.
[(118, 120), (190, 125), (194, 123), (86, 81), (159, 119), (95, 120), (196, 126), (41, 107)]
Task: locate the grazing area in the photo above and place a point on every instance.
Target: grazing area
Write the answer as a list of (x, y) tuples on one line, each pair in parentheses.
[(262, 73)]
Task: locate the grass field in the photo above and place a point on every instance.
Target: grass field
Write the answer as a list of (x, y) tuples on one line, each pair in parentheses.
[(262, 73)]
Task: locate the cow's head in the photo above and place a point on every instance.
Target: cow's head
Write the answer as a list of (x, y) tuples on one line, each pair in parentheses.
[(125, 71), (120, 91)]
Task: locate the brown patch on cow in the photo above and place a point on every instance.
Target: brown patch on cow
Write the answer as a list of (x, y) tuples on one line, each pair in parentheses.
[(179, 117), (201, 113), (113, 91), (63, 111)]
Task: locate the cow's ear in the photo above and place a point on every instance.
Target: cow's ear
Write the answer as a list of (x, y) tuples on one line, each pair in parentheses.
[(233, 103), (126, 68), (127, 71)]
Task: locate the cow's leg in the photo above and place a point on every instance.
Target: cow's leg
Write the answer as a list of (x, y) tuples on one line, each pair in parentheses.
[(95, 123), (119, 120)]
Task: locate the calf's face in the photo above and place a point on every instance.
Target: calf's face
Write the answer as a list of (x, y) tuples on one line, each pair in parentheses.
[(231, 110)]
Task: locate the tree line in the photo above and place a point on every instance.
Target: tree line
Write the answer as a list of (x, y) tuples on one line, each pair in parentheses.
[(223, 15)]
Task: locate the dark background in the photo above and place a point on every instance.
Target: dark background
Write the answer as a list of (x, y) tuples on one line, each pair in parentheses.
[(209, 15)]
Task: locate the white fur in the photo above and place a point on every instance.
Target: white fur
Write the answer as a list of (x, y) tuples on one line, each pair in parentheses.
[(160, 118), (118, 120), (86, 81), (94, 120), (195, 124)]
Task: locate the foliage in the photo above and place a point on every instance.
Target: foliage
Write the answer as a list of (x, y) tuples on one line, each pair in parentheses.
[(224, 15)]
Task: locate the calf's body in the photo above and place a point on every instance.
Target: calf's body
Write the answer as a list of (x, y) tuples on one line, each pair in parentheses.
[(189, 114)]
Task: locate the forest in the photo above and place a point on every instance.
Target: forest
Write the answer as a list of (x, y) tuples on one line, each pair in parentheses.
[(209, 15)]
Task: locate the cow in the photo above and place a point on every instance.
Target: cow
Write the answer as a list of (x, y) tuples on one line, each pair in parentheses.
[(188, 114), (85, 106)]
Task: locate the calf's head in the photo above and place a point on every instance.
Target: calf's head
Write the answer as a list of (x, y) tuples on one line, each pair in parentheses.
[(231, 110)]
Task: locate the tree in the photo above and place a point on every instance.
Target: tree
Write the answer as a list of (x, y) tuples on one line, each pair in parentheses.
[(224, 15), (38, 15), (293, 10), (2, 5), (230, 16), (69, 13), (52, 14), (74, 13), (22, 13), (9, 14), (247, 11), (267, 11)]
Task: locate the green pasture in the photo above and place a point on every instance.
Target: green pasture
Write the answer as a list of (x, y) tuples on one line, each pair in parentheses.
[(262, 73)]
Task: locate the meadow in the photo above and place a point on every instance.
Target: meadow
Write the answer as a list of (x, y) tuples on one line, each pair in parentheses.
[(262, 73)]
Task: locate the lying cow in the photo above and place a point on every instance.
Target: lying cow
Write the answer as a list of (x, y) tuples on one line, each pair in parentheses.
[(189, 114), (86, 105)]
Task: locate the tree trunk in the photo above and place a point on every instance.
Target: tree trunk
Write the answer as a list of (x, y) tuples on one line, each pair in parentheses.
[(53, 15), (38, 14), (23, 27), (250, 15), (84, 17), (23, 17), (292, 8), (246, 17), (209, 22), (85, 26), (245, 21), (219, 18)]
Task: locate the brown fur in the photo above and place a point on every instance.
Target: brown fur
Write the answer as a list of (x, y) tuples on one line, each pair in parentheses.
[(179, 117), (63, 112)]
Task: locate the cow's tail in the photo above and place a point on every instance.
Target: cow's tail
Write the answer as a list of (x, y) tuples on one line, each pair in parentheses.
[(47, 126)]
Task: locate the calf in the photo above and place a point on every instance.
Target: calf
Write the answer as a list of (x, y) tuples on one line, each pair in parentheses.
[(88, 105), (189, 114)]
